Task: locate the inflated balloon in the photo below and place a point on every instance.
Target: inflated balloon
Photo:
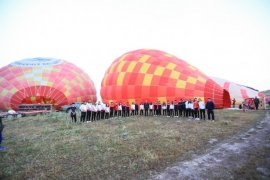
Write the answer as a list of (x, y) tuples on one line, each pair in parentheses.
[(45, 81), (237, 91), (151, 74)]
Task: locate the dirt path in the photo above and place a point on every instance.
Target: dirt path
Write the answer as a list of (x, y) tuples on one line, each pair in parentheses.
[(223, 159)]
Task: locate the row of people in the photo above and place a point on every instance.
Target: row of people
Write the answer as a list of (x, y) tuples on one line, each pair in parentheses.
[(183, 108)]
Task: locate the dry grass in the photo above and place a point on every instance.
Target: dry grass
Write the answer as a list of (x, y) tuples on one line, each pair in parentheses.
[(51, 147)]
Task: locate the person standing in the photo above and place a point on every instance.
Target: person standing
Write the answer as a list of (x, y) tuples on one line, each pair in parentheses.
[(256, 102), (136, 108), (175, 108), (151, 109), (119, 110), (94, 112), (168, 108), (196, 109), (1, 135), (146, 107), (73, 113), (171, 109), (127, 109), (111, 109), (159, 108), (123, 109), (132, 109), (164, 108), (88, 112), (210, 106), (107, 111), (233, 102), (83, 110), (141, 109), (202, 109)]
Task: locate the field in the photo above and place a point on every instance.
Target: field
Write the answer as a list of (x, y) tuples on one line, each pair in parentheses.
[(51, 147)]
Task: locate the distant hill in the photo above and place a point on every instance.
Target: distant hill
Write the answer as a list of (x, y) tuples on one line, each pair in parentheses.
[(266, 92)]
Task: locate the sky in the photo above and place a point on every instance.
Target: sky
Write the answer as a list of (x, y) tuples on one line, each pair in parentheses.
[(228, 39)]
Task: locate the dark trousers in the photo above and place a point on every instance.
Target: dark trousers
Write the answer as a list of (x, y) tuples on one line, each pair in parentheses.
[(196, 113), (107, 114), (146, 112), (175, 112), (210, 113), (119, 113), (98, 115), (123, 113), (88, 115), (83, 115), (171, 112), (141, 112), (136, 111), (102, 114), (180, 111), (256, 106), (127, 112), (164, 112), (1, 137), (132, 112), (73, 117), (202, 113), (115, 113), (94, 113), (151, 112), (111, 112)]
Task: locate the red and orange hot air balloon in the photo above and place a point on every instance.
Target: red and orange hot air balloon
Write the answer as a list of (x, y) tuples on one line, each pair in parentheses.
[(45, 81), (152, 74)]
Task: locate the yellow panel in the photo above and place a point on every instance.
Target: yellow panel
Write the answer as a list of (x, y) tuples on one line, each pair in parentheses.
[(120, 78), (131, 101), (123, 57), (50, 84), (159, 70), (67, 93), (112, 68), (144, 68), (171, 66), (4, 92), (144, 58), (181, 84), (147, 79), (201, 79), (79, 99), (192, 67), (104, 81), (175, 74), (33, 98), (191, 80), (162, 99), (13, 90), (120, 66), (131, 66), (168, 55)]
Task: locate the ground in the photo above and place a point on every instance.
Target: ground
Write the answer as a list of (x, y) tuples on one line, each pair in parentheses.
[(244, 156), (51, 147)]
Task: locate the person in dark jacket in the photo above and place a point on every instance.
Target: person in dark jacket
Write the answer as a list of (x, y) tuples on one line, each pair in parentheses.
[(1, 136), (73, 113), (136, 108), (210, 106), (146, 107), (256, 102)]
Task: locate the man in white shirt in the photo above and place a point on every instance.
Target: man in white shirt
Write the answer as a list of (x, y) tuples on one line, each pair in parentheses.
[(83, 109), (88, 113), (202, 109)]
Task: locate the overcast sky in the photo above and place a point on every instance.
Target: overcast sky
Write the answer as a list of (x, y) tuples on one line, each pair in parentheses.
[(227, 39)]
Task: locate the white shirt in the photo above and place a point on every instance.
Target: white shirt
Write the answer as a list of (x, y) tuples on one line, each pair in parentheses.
[(88, 105), (201, 105), (132, 106), (164, 106), (93, 108), (142, 107), (107, 109), (186, 104), (119, 107), (171, 106), (83, 108), (190, 105), (151, 106)]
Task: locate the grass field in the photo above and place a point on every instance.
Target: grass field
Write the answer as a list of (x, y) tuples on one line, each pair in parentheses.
[(51, 147)]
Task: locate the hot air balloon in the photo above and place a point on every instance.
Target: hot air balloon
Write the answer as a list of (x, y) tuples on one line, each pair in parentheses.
[(237, 91), (44, 81), (147, 74)]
